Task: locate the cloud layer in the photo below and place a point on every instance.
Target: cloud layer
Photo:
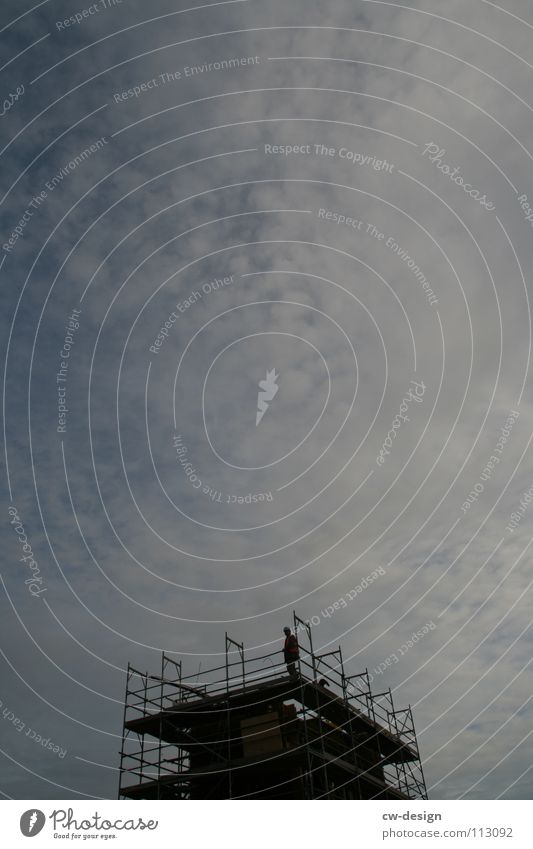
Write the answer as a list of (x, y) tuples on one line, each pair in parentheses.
[(335, 191)]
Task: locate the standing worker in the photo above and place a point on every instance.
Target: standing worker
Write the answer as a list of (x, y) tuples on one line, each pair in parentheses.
[(291, 652)]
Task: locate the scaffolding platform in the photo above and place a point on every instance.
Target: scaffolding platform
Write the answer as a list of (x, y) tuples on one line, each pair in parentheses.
[(254, 732)]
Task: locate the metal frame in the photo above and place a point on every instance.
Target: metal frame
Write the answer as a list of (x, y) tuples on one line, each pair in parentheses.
[(240, 649), (326, 744)]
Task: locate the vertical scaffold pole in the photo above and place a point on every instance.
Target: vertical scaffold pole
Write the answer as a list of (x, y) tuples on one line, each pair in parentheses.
[(303, 700), (160, 748), (228, 721), (123, 732), (240, 649)]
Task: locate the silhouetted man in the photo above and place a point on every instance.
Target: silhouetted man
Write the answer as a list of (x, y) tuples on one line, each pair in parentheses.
[(290, 652)]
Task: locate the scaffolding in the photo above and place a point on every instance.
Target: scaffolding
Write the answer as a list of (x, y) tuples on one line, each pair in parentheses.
[(252, 731)]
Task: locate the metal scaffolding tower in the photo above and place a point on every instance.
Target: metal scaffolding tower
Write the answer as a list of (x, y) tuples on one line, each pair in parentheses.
[(251, 731)]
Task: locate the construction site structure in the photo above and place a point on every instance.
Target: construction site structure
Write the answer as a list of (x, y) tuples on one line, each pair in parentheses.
[(250, 731)]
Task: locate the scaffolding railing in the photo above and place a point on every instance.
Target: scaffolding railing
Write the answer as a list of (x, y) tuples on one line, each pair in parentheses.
[(161, 695)]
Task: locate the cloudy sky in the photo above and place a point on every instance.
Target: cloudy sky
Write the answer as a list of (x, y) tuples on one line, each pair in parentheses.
[(336, 193)]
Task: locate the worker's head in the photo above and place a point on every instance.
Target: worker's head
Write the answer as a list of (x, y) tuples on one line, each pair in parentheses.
[(286, 630)]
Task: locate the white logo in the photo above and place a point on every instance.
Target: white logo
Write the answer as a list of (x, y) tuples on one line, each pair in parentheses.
[(32, 822), (268, 391)]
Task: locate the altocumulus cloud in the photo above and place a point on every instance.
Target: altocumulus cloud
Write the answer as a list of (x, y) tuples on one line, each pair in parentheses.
[(307, 161)]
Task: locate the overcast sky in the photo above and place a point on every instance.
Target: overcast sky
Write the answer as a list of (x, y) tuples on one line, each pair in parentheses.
[(335, 193)]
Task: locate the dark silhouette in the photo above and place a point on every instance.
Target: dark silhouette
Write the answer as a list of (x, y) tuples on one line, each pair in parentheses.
[(291, 652)]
